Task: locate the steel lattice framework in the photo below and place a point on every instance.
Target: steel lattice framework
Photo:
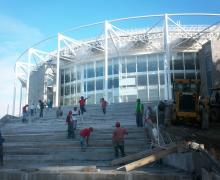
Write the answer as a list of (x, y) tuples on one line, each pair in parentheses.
[(165, 36)]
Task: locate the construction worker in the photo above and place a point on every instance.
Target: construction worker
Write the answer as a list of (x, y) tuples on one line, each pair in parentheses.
[(139, 113), (82, 103), (118, 139), (69, 122), (25, 113), (84, 137)]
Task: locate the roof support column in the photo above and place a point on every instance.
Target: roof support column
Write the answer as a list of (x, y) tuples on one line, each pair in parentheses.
[(28, 74), (58, 72), (106, 60), (14, 97), (167, 77), (20, 100)]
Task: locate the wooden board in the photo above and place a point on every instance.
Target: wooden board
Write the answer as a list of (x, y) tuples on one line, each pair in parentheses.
[(151, 158), (134, 157)]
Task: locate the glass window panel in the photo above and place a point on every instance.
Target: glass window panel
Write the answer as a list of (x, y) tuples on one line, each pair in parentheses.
[(190, 76), (116, 83), (98, 97), (62, 76), (178, 65), (78, 88), (110, 83), (198, 75), (161, 64), (78, 75), (189, 64), (142, 80), (84, 86), (153, 79), (99, 84), (61, 90), (66, 101), (115, 68), (171, 65), (110, 98), (162, 93), (99, 68), (61, 102), (162, 79), (116, 99), (123, 98), (123, 68), (90, 71), (152, 63), (90, 86), (109, 69), (91, 99), (142, 94), (189, 56), (67, 90), (197, 62), (178, 56), (178, 76), (85, 72), (153, 94), (67, 76), (73, 77), (131, 98), (141, 64), (99, 71), (161, 61), (123, 65), (131, 64)]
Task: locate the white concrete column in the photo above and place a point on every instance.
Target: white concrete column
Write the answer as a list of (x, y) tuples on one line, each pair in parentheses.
[(14, 97), (28, 75), (106, 60), (168, 92), (58, 72), (20, 100)]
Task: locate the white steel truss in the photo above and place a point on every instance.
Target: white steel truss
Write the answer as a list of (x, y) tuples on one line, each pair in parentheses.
[(116, 41)]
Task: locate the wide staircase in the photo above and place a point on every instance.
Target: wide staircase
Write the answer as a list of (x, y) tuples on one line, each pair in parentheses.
[(44, 141), (40, 150)]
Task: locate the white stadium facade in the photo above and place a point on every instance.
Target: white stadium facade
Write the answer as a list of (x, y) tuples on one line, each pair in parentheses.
[(121, 64)]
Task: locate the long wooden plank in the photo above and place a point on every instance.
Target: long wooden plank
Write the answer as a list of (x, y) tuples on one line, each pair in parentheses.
[(155, 156), (134, 157)]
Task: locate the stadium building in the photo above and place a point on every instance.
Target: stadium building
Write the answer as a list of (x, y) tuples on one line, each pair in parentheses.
[(121, 64)]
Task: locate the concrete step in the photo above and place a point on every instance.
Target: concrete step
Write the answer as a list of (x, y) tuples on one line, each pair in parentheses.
[(69, 143)]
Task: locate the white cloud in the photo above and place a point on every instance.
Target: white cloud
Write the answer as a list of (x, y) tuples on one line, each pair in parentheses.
[(15, 37)]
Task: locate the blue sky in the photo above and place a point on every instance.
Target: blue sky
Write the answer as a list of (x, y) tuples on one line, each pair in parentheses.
[(25, 22)]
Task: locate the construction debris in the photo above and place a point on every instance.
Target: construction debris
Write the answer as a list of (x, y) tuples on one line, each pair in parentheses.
[(154, 156), (134, 157)]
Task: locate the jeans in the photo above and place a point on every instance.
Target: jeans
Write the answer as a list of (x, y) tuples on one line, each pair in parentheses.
[(83, 142), (119, 145), (41, 112), (82, 109), (139, 120)]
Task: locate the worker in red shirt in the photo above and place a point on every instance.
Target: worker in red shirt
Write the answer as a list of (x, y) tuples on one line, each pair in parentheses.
[(84, 137), (118, 139), (82, 103)]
